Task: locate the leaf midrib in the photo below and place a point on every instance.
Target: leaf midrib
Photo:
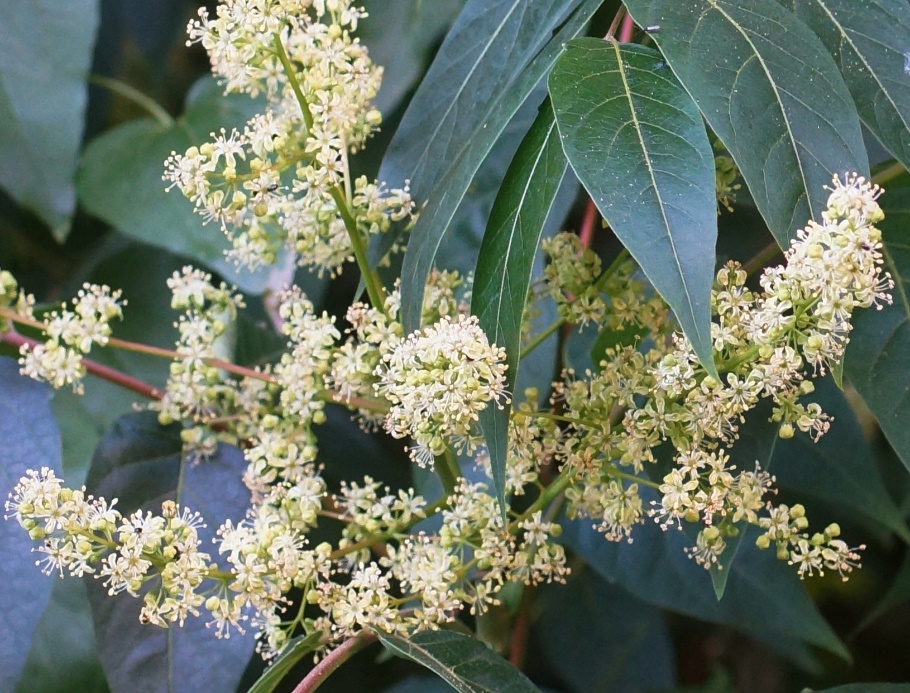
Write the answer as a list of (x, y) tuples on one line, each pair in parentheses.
[(645, 152), (774, 88), (862, 58)]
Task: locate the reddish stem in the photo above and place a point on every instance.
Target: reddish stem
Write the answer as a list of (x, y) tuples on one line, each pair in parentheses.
[(333, 660), (588, 224), (628, 26), (95, 368), (615, 23), (518, 645)]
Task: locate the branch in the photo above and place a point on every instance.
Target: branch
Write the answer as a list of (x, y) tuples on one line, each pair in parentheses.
[(95, 368), (334, 659)]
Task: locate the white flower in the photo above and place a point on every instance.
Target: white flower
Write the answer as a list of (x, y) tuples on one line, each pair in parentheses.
[(438, 380)]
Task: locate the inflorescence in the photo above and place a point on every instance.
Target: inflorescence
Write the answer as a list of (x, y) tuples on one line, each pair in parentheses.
[(283, 183)]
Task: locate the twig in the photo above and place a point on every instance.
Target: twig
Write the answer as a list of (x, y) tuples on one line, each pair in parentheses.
[(333, 660), (95, 368)]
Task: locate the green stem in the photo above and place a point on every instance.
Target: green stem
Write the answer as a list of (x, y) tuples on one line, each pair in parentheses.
[(747, 355), (618, 261), (541, 338), (765, 255), (136, 96), (374, 288), (615, 473), (295, 84), (370, 278), (597, 285), (555, 417), (372, 540), (888, 173), (549, 494), (447, 469)]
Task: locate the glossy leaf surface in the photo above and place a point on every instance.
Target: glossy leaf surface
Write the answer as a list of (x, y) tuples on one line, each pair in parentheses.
[(840, 467), (763, 596), (466, 664), (447, 158), (638, 144), (868, 40), (506, 259), (767, 86), (296, 650), (625, 646), (877, 362)]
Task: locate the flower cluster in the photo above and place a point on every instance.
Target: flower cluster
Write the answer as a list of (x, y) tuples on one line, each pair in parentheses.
[(585, 294), (438, 380), (389, 558), (384, 568), (13, 298), (764, 344), (195, 389), (153, 556), (70, 333), (284, 182)]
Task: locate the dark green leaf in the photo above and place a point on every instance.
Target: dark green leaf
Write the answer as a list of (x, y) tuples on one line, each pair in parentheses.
[(141, 464), (478, 64), (420, 684), (897, 594), (505, 262), (638, 144), (296, 650), (466, 664), (64, 653), (120, 181), (460, 249), (30, 441), (763, 596), (625, 644), (460, 111), (348, 452), (837, 374), (772, 93), (868, 40), (399, 35), (45, 55), (461, 246), (840, 467), (877, 362)]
